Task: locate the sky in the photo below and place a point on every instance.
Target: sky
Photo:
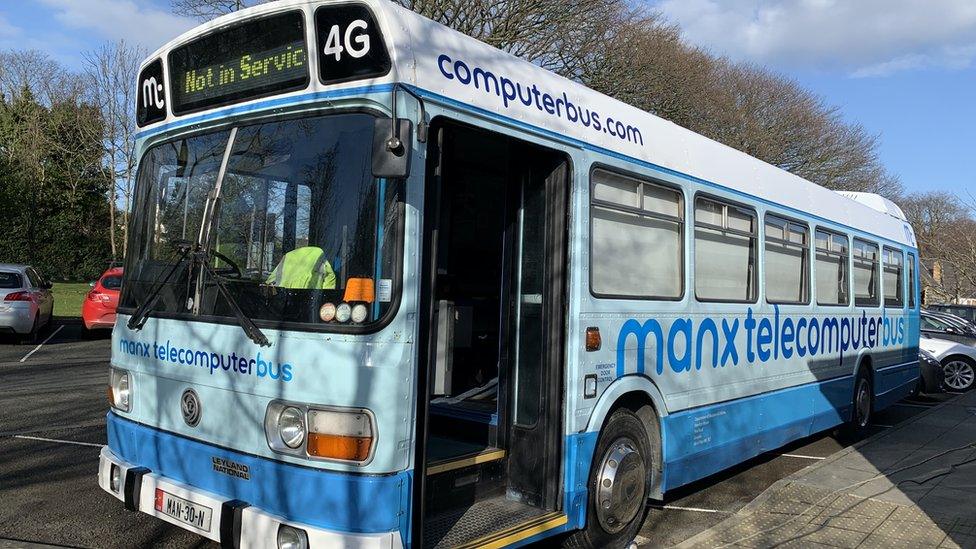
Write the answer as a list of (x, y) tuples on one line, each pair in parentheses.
[(904, 69)]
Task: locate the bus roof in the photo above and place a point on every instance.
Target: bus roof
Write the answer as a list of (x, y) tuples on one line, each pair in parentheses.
[(450, 68)]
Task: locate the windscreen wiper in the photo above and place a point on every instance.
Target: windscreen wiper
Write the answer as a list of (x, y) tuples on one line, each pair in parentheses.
[(255, 334), (138, 318)]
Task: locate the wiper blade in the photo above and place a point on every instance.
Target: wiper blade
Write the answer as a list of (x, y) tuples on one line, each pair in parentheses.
[(138, 318), (250, 328)]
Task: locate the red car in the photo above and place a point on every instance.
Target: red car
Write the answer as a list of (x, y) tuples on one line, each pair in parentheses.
[(98, 311)]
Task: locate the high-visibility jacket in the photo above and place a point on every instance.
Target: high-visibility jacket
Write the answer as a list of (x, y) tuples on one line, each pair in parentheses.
[(304, 268)]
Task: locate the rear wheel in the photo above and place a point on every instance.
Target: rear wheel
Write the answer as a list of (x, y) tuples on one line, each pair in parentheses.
[(959, 373), (620, 483), (863, 406)]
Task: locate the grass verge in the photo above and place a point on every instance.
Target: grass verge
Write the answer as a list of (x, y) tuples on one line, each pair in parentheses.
[(68, 297)]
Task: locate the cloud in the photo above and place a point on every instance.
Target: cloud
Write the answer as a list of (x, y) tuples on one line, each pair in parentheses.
[(865, 38), (9, 31), (136, 23)]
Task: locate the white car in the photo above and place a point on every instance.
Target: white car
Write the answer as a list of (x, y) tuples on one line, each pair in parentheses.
[(958, 361), (26, 302)]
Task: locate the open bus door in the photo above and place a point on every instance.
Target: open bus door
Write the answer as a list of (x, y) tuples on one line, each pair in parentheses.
[(489, 451)]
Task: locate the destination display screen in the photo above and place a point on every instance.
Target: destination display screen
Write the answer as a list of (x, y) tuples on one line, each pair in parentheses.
[(252, 59)]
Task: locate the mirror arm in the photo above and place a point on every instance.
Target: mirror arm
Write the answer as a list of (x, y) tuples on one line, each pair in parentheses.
[(394, 143)]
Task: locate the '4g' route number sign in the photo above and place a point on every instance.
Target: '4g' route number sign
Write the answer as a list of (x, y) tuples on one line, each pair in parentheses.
[(349, 43)]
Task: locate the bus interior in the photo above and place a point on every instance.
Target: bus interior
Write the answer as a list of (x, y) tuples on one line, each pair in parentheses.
[(492, 454)]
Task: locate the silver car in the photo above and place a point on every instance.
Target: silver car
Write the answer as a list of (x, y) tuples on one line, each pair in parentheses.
[(26, 301)]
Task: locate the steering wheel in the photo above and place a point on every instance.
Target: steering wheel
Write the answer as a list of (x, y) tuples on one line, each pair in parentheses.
[(233, 270)]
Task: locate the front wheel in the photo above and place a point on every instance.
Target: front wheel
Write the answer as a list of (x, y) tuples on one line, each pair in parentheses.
[(959, 373), (620, 483)]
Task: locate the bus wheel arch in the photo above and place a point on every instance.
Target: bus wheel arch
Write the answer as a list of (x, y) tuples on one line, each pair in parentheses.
[(640, 395), (863, 397)]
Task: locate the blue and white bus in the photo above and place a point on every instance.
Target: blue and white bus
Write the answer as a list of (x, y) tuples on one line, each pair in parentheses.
[(388, 286)]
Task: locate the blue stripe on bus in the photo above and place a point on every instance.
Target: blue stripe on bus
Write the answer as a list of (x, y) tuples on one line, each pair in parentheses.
[(267, 104), (706, 440), (327, 499), (379, 88)]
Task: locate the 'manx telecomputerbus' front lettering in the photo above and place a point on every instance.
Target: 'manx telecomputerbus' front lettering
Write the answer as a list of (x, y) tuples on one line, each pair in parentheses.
[(391, 287)]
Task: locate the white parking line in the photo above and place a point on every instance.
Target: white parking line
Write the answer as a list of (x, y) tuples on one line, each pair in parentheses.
[(801, 456), (42, 439), (38, 348), (882, 425), (692, 509)]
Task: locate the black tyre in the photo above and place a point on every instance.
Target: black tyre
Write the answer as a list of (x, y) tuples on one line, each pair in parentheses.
[(620, 482), (960, 373), (862, 409)]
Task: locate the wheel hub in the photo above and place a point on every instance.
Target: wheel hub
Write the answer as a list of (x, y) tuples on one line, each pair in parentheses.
[(959, 375), (620, 485)]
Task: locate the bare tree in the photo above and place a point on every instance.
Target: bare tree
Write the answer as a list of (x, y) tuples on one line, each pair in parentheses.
[(34, 70), (111, 72), (946, 234), (647, 65), (208, 9), (637, 57), (557, 35)]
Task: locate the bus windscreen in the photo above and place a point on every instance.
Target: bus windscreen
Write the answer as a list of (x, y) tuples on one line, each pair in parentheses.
[(252, 59)]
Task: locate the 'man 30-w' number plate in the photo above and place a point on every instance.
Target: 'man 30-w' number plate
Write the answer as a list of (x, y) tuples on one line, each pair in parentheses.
[(185, 511)]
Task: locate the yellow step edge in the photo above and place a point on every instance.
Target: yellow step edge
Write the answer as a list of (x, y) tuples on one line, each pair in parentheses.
[(482, 457), (518, 533)]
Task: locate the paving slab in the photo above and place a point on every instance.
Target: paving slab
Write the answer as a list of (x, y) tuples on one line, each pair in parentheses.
[(909, 486)]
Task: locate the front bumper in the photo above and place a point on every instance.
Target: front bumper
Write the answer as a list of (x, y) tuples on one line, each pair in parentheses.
[(234, 523)]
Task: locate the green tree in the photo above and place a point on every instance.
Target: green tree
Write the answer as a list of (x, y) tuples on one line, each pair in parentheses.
[(53, 186)]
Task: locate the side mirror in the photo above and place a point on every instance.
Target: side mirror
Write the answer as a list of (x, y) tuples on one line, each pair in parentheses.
[(392, 148), (47, 285), (91, 284), (951, 330)]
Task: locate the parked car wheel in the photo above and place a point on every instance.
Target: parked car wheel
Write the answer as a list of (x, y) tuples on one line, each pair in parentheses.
[(960, 373)]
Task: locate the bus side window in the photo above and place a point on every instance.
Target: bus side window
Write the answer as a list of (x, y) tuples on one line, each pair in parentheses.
[(892, 279), (725, 252), (786, 260), (636, 230), (833, 258), (865, 274), (911, 281)]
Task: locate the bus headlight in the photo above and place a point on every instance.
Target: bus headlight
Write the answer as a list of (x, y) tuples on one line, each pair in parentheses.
[(119, 390), (291, 427), (290, 537), (321, 432)]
